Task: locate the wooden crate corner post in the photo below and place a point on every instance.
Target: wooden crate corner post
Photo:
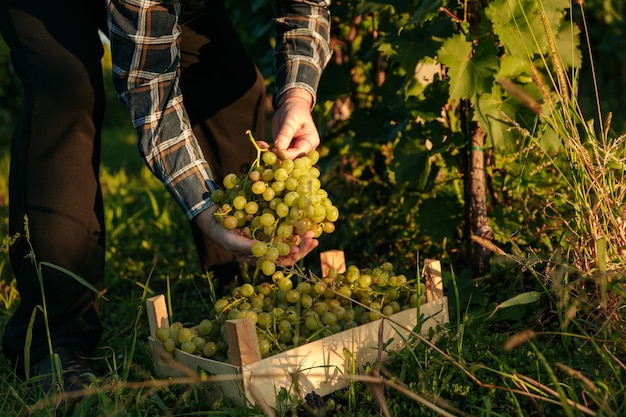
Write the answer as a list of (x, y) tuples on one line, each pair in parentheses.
[(157, 313), (243, 342), (433, 280), (332, 259)]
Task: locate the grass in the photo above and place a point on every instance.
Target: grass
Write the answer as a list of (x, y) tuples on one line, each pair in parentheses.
[(535, 337)]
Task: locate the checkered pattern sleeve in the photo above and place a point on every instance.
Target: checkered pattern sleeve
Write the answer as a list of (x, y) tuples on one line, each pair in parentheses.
[(145, 53), (302, 44)]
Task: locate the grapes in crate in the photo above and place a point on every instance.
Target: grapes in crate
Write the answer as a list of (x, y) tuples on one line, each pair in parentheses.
[(290, 310)]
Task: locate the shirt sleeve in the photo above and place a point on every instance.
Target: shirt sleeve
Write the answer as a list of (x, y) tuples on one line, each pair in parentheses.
[(145, 54), (302, 44)]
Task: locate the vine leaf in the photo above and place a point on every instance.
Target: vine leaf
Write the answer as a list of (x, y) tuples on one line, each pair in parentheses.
[(427, 10), (471, 69), (521, 32)]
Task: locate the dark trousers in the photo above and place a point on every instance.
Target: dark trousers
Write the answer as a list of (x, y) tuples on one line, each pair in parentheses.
[(55, 153)]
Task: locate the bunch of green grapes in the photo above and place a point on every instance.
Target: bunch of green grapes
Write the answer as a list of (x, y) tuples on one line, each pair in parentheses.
[(201, 340), (289, 314), (278, 200)]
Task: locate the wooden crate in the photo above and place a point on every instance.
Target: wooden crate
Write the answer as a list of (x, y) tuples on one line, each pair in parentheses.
[(322, 366)]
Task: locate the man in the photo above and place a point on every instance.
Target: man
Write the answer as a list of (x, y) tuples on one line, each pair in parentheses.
[(55, 152)]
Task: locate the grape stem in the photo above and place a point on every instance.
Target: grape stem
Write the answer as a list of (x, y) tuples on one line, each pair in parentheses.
[(257, 161)]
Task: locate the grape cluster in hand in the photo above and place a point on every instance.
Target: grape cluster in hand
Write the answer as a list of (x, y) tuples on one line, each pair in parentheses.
[(278, 201)]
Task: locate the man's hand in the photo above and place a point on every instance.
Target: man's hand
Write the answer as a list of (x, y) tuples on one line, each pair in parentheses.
[(240, 246), (293, 128)]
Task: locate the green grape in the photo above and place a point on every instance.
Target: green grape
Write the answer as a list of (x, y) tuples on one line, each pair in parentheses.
[(264, 347), (320, 307), (345, 291), (277, 276), (306, 301), (267, 175), (328, 227), (329, 318), (249, 314), (350, 325), (162, 333), (239, 202), (169, 345), (291, 183), (267, 219), (292, 296), (350, 314), (319, 287), (282, 209), (230, 181), (264, 288), (254, 175), (304, 287), (374, 313), (285, 283), (269, 157), (364, 280), (205, 327), (278, 187), (210, 349), (284, 231), (295, 213), (272, 254), (188, 346), (230, 222), (304, 182), (246, 290), (303, 225), (264, 319), (251, 207), (314, 156), (241, 217), (268, 267), (217, 195), (332, 214), (284, 326), (287, 164), (414, 301), (303, 163), (259, 249), (339, 312), (392, 294), (314, 172), (269, 194), (387, 310), (352, 274), (220, 305), (335, 328), (319, 211), (199, 342), (258, 187), (291, 198), (281, 174), (185, 335), (312, 323), (283, 248)]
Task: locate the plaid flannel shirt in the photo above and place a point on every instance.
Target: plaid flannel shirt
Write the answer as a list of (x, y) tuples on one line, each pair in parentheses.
[(145, 52)]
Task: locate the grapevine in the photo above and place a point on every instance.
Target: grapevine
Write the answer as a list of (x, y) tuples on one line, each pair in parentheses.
[(277, 201)]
